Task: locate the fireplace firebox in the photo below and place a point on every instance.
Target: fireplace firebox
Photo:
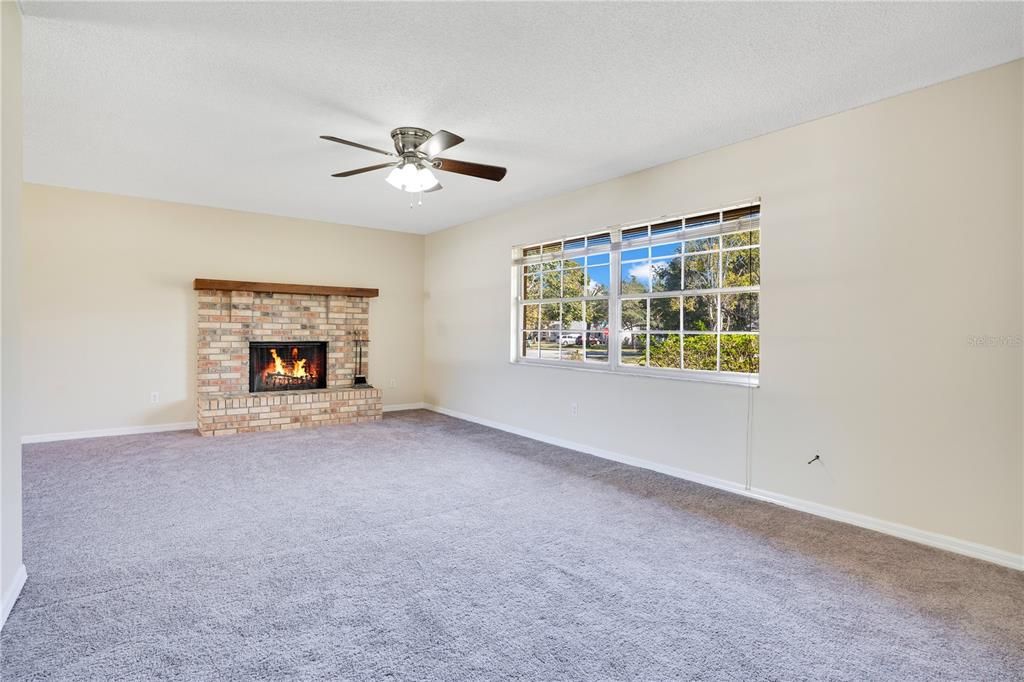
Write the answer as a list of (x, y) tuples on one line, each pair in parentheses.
[(287, 365)]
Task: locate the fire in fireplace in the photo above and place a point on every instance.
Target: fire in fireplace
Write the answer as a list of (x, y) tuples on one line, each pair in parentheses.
[(287, 366)]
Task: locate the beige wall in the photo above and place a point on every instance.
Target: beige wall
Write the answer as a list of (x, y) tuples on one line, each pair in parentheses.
[(891, 235), (110, 315), (10, 268)]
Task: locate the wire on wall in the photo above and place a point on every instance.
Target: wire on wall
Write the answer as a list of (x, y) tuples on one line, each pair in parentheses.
[(750, 439)]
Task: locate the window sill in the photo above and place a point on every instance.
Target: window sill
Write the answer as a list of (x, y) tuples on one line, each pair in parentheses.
[(750, 380)]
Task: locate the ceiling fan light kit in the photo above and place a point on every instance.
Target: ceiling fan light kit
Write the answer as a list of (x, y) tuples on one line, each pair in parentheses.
[(416, 157), (412, 177)]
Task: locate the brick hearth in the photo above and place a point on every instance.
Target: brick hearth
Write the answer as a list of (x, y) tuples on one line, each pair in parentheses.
[(230, 319)]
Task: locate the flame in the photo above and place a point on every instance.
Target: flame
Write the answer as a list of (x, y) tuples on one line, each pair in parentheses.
[(295, 368), (298, 366), (278, 365)]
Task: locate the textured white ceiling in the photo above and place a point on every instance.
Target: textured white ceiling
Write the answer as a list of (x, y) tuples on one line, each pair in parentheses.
[(221, 104)]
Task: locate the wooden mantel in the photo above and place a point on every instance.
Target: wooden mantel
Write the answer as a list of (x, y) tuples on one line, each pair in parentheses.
[(272, 288)]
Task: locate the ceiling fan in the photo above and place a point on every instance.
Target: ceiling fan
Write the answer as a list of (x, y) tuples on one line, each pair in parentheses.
[(416, 155)]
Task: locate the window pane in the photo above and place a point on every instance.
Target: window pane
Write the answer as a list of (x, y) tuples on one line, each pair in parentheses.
[(572, 347), (665, 350), (532, 268), (752, 238), (700, 351), (531, 286), (531, 346), (531, 317), (665, 314), (597, 347), (742, 268), (636, 254), (549, 316), (597, 315), (573, 263), (699, 313), (673, 249), (572, 316), (634, 315), (551, 265), (740, 313), (551, 284), (598, 280), (573, 283), (666, 274), (701, 272), (634, 349), (741, 353), (549, 348), (598, 259), (636, 277), (705, 244)]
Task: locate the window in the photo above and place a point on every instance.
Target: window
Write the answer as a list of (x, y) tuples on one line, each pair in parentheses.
[(678, 297), (563, 300)]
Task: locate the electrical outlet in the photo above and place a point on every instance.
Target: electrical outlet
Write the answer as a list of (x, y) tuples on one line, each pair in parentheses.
[(154, 397), (392, 383), (574, 409)]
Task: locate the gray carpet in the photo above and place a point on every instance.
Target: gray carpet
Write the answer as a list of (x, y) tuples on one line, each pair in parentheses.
[(427, 548)]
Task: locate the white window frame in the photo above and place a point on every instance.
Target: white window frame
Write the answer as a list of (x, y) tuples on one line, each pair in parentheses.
[(615, 298)]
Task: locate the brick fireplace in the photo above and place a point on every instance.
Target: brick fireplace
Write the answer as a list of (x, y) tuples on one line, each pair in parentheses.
[(281, 356)]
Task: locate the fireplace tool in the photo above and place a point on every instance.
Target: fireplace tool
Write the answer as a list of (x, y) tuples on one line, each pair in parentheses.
[(360, 378)]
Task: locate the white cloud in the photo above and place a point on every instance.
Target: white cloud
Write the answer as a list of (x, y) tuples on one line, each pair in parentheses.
[(640, 271)]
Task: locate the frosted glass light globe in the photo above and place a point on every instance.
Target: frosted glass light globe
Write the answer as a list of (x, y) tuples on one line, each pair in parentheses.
[(411, 178)]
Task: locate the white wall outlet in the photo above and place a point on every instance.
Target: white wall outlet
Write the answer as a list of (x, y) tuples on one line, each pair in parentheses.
[(574, 409), (392, 383), (154, 397)]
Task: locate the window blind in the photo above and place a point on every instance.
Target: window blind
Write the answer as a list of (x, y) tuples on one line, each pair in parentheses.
[(738, 219)]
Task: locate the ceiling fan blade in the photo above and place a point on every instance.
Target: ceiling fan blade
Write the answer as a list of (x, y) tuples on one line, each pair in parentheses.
[(357, 171), (477, 170), (438, 142), (434, 188), (356, 144)]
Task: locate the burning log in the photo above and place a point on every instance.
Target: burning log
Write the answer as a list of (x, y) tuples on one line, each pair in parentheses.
[(285, 380)]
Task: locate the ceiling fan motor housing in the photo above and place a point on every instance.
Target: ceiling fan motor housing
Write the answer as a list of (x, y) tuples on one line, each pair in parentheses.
[(408, 139)]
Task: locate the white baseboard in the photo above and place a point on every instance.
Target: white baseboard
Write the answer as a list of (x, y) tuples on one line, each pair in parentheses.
[(405, 406), (100, 433), (157, 428), (12, 593), (951, 544), (923, 537), (703, 479)]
